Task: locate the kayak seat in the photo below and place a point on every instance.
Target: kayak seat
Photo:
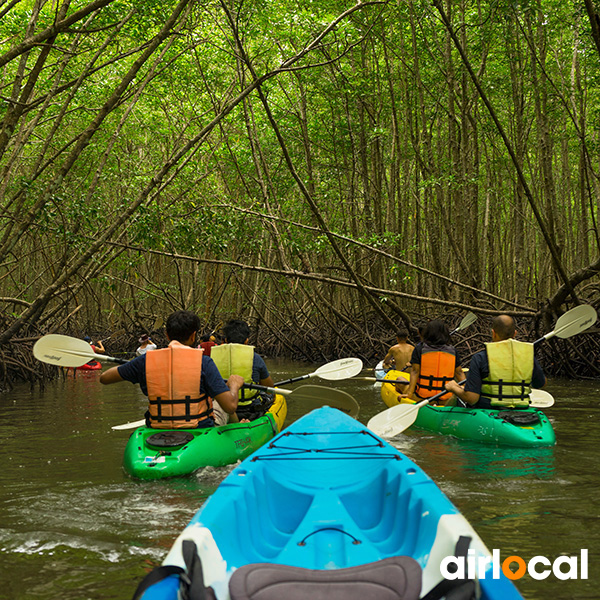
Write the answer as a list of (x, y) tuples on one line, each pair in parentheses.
[(396, 578), (169, 439)]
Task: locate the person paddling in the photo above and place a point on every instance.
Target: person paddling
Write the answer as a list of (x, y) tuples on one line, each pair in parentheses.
[(502, 375), (182, 385), (145, 344), (398, 356), (434, 362), (237, 356)]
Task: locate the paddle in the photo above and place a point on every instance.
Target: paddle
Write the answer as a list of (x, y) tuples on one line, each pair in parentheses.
[(467, 320), (312, 396), (396, 419), (574, 321), (67, 351), (315, 396), (399, 381), (540, 399), (333, 371)]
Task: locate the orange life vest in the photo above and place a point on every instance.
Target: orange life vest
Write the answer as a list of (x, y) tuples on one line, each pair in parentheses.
[(173, 379), (437, 368)]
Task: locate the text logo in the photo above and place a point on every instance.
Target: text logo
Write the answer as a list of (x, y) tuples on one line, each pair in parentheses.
[(514, 567)]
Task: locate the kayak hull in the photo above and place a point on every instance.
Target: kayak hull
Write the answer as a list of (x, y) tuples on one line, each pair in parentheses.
[(326, 494), (209, 447), (91, 366), (478, 425)]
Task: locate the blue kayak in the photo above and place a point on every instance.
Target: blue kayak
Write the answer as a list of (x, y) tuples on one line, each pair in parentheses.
[(326, 509)]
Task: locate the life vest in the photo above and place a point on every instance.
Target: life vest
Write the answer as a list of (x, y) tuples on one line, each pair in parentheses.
[(173, 379), (511, 369), (437, 368), (236, 359)]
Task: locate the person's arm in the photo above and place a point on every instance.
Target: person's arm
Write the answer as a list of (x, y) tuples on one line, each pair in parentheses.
[(459, 374), (99, 347), (111, 376), (387, 361), (229, 400), (259, 368), (415, 370), (538, 379), (470, 398)]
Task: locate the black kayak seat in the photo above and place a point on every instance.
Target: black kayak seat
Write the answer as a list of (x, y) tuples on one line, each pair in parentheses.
[(395, 578), (169, 439), (519, 418)]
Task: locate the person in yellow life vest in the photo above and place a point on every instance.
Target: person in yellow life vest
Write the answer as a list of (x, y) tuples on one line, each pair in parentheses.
[(182, 385), (434, 362), (237, 356), (502, 375)]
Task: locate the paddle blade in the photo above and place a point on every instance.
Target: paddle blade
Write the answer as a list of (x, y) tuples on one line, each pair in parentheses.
[(575, 321), (316, 396), (63, 351), (132, 425), (344, 368), (540, 399), (467, 321), (395, 420)]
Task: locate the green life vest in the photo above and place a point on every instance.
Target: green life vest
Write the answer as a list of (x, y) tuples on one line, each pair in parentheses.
[(511, 368), (236, 359)]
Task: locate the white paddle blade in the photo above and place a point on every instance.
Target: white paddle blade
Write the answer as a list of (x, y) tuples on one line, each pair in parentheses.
[(132, 425), (540, 399), (468, 320), (395, 420), (63, 351), (575, 321), (344, 368)]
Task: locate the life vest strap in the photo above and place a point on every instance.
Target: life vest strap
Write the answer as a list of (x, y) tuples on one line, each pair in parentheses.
[(524, 394), (186, 402)]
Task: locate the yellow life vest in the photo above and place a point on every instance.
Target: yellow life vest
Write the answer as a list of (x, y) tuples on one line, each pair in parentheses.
[(173, 379), (511, 368), (437, 368), (236, 359)]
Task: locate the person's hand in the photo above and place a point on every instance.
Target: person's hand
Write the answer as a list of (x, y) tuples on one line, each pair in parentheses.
[(452, 386), (235, 382)]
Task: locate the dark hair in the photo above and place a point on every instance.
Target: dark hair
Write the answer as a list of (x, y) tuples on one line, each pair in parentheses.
[(181, 324), (504, 326), (436, 333), (236, 331), (402, 333), (205, 337)]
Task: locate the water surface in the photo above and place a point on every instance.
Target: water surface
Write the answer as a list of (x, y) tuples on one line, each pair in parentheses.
[(74, 526)]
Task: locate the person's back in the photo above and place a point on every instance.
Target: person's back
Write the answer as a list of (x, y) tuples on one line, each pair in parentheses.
[(502, 375), (398, 356), (181, 384), (434, 362), (237, 357)]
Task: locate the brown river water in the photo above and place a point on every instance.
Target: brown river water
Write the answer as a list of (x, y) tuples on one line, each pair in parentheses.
[(73, 526)]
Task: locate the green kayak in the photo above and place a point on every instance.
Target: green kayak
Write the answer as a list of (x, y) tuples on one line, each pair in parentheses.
[(157, 453), (526, 427)]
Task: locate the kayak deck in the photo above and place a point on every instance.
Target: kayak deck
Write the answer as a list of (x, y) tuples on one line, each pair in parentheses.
[(206, 447), (487, 426), (326, 494)]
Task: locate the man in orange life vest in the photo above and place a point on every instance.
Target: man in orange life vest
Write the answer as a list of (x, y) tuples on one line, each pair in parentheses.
[(181, 383), (434, 362)]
